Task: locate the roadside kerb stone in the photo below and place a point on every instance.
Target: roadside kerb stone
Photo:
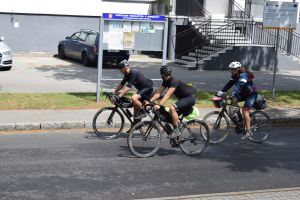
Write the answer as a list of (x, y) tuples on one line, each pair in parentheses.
[(7, 127), (52, 125), (278, 194), (71, 125), (28, 126), (88, 124)]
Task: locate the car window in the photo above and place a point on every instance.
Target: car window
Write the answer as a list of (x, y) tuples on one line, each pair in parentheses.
[(91, 38), (75, 36), (82, 36)]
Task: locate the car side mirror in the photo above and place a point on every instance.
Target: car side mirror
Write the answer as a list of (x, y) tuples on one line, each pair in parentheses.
[(1, 39), (68, 37)]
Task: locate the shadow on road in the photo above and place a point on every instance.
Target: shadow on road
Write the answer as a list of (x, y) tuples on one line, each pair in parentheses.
[(279, 151)]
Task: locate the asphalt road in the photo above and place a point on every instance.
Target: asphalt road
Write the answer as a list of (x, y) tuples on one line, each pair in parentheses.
[(47, 73), (75, 165)]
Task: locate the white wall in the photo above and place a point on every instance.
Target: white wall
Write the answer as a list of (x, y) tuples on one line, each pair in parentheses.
[(72, 7), (218, 8)]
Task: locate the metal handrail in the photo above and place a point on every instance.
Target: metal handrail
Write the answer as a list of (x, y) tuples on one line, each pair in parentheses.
[(241, 10), (190, 36), (202, 7)]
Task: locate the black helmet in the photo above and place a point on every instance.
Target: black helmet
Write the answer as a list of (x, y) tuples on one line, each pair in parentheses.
[(122, 64), (165, 70)]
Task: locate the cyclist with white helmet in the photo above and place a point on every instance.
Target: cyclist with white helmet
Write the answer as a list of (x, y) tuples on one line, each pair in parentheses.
[(143, 84), (244, 90), (184, 92)]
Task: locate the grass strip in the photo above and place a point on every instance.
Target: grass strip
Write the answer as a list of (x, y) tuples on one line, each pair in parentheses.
[(20, 101)]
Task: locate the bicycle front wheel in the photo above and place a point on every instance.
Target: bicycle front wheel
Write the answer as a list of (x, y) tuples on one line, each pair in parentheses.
[(194, 137), (260, 126), (108, 123), (218, 126), (144, 139)]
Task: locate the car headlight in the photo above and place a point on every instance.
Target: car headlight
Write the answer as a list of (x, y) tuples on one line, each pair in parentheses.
[(7, 53)]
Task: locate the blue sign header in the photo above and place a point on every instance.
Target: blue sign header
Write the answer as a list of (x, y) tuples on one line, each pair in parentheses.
[(133, 17)]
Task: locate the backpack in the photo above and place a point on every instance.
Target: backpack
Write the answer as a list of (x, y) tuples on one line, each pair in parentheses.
[(250, 75)]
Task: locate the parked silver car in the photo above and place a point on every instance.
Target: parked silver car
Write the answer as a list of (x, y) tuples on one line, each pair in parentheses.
[(5, 55)]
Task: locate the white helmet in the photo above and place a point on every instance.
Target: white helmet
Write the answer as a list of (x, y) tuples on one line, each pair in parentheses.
[(235, 65)]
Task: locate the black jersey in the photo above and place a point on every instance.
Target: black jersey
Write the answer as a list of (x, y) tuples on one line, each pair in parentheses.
[(181, 89), (137, 79)]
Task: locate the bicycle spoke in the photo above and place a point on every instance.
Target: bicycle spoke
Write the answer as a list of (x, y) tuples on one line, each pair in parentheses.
[(191, 140), (144, 139)]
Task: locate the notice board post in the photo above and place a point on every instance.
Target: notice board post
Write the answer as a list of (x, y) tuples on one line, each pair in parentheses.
[(131, 32), (279, 15)]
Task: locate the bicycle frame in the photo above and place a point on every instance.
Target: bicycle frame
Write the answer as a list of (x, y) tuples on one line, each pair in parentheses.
[(165, 125), (224, 111)]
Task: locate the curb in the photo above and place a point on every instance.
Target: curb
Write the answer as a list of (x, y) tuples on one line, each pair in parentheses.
[(286, 193), (88, 125)]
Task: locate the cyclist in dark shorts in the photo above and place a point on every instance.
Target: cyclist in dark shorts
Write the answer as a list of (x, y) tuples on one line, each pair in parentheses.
[(184, 93), (243, 90), (143, 84)]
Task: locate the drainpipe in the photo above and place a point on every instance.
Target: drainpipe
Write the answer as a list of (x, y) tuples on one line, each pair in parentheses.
[(230, 9), (290, 39)]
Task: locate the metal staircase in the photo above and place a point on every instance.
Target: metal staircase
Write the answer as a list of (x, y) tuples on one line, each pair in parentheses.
[(216, 39), (207, 39)]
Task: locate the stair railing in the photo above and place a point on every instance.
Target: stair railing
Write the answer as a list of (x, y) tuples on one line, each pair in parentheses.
[(237, 12), (199, 27), (189, 39)]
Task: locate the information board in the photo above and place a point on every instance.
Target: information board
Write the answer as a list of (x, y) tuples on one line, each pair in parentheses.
[(280, 15), (133, 32)]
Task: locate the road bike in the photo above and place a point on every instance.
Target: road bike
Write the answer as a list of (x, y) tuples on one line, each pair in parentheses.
[(219, 122), (144, 138), (109, 122)]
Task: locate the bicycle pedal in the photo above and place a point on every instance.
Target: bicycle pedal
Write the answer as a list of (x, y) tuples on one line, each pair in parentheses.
[(174, 143)]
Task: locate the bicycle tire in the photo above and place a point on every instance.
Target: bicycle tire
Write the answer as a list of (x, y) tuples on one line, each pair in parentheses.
[(261, 126), (140, 145), (108, 129), (192, 142), (217, 133)]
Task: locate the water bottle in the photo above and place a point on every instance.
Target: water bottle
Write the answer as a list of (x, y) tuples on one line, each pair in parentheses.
[(233, 113), (169, 129), (128, 112), (235, 118)]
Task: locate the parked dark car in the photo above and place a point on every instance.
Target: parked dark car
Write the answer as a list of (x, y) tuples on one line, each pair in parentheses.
[(83, 45)]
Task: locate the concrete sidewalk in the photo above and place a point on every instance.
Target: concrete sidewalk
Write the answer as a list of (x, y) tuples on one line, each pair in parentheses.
[(67, 119), (275, 194)]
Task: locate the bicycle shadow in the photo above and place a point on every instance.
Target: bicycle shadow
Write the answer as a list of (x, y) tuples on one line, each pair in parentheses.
[(161, 152)]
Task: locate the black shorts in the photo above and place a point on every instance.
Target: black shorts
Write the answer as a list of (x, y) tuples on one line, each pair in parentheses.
[(185, 104), (145, 94)]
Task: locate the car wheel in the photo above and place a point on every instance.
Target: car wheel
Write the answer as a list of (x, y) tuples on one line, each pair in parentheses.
[(85, 59), (61, 52)]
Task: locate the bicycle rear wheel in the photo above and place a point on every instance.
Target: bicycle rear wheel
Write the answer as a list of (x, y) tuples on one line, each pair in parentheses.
[(108, 123), (194, 137), (218, 127), (144, 139), (260, 126)]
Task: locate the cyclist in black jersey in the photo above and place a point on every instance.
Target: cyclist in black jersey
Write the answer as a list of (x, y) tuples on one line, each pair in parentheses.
[(143, 84), (184, 92)]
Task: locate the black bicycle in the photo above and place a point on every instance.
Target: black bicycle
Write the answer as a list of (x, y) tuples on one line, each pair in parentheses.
[(109, 122), (219, 122), (145, 137)]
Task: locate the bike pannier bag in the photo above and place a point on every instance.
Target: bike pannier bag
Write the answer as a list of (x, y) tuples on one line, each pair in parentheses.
[(260, 103), (218, 102)]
